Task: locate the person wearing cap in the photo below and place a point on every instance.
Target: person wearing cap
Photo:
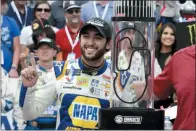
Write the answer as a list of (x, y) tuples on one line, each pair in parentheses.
[(45, 50), (25, 61), (80, 86), (58, 12), (42, 13), (127, 40), (67, 38), (10, 47), (127, 56), (37, 28), (40, 28)]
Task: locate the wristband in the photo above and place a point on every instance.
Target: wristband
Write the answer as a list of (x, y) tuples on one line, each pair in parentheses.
[(14, 67)]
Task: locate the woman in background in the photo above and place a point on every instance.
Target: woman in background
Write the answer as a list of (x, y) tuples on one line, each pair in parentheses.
[(164, 49), (41, 10)]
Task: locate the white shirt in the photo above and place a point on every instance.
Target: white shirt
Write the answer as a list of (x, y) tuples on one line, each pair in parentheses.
[(135, 72), (26, 35)]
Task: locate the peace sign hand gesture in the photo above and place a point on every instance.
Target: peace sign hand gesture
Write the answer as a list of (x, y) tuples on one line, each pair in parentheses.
[(29, 74)]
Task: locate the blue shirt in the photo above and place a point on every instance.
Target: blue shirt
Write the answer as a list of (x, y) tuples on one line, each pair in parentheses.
[(29, 19), (9, 30), (88, 11)]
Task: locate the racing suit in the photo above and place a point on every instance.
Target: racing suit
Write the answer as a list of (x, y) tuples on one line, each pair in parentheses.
[(127, 77), (18, 121), (47, 120), (7, 101), (7, 95), (78, 91)]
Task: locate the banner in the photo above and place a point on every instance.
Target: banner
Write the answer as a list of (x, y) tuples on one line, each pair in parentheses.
[(185, 34)]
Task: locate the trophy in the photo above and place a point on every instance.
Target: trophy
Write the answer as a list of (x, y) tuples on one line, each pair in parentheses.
[(132, 61)]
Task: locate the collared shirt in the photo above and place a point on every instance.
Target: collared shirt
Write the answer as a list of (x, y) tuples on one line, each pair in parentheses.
[(88, 11)]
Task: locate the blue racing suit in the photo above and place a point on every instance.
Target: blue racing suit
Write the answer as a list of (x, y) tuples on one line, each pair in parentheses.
[(78, 92), (47, 120)]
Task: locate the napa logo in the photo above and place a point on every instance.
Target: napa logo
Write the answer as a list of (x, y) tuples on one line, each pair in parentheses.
[(84, 112)]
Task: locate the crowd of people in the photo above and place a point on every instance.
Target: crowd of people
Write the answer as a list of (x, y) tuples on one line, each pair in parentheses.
[(56, 64)]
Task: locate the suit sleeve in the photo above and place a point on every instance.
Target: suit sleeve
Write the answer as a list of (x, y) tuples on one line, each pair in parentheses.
[(34, 101), (8, 93), (163, 82)]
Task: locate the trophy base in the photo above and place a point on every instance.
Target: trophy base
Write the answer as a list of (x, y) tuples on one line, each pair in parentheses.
[(122, 118)]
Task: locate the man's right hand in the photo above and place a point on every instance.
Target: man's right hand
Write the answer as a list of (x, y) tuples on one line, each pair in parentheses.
[(29, 74)]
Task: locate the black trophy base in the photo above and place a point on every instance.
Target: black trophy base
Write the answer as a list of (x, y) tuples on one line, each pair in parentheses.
[(121, 118)]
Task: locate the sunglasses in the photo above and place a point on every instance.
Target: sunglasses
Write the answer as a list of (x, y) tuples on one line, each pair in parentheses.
[(71, 11), (41, 9)]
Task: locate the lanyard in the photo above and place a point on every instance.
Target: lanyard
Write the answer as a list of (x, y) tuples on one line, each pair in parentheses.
[(73, 44), (105, 10), (18, 15)]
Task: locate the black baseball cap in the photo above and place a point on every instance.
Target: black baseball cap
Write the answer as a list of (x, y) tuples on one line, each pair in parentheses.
[(71, 4), (102, 26), (47, 41), (38, 25)]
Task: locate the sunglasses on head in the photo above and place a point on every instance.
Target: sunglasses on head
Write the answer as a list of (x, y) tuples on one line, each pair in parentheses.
[(71, 11), (42, 9)]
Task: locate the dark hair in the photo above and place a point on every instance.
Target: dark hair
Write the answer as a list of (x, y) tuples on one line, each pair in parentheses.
[(159, 43), (49, 33), (37, 4)]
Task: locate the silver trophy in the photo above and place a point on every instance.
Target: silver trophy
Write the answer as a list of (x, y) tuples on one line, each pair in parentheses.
[(132, 61)]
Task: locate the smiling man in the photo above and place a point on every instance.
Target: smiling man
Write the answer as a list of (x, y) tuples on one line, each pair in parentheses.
[(67, 37), (81, 85)]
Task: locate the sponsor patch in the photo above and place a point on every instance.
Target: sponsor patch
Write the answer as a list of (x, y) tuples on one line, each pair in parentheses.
[(82, 81), (106, 85), (107, 78), (84, 112), (128, 119), (75, 72), (94, 83)]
